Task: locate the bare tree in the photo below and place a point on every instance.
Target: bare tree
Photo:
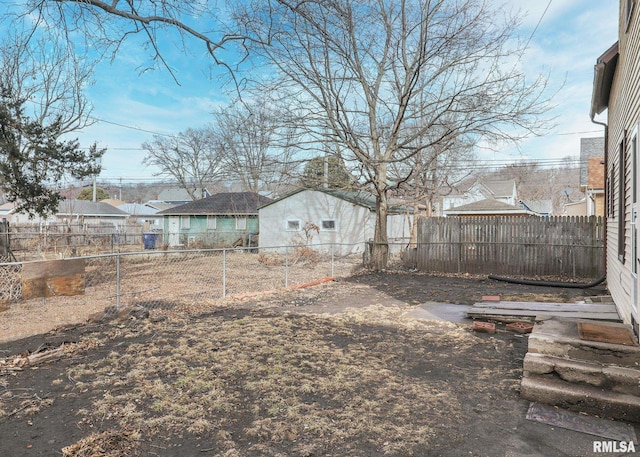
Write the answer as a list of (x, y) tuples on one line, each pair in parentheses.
[(189, 157), (255, 145), (48, 79), (327, 171), (376, 76), (355, 69), (41, 102), (107, 24), (432, 173), (537, 183)]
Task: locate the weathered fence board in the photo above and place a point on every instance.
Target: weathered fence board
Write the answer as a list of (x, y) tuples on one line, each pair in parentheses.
[(530, 246), (53, 278)]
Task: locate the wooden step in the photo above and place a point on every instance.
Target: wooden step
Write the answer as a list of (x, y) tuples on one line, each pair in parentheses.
[(538, 307), (510, 310), (581, 398), (614, 378), (560, 338)]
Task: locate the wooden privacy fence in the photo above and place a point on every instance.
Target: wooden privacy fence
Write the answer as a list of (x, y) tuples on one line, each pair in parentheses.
[(527, 245)]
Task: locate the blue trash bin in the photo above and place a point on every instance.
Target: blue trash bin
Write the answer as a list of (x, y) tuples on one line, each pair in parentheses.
[(149, 240)]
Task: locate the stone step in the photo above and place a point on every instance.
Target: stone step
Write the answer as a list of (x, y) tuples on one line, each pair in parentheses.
[(559, 338), (617, 379), (581, 398)]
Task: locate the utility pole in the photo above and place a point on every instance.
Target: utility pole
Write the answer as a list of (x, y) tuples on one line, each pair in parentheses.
[(95, 178)]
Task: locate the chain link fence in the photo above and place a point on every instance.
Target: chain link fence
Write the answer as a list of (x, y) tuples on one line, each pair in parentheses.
[(158, 279)]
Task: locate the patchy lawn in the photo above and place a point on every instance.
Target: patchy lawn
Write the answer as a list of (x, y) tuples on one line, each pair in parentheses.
[(277, 376)]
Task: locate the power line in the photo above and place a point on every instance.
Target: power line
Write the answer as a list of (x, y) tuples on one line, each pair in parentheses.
[(97, 119), (131, 148), (130, 127), (535, 29)]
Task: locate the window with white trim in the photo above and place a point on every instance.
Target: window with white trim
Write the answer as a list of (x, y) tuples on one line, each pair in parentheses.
[(241, 223), (185, 222), (212, 223), (293, 225), (328, 225)]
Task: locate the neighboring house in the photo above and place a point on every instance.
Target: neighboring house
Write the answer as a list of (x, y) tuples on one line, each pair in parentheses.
[(542, 208), (576, 208), (343, 217), (113, 202), (616, 87), (475, 191), (179, 196), (82, 212), (141, 214), (592, 174), (160, 205), (488, 207), (218, 220)]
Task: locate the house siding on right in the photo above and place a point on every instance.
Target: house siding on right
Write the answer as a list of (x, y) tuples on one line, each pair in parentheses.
[(622, 118)]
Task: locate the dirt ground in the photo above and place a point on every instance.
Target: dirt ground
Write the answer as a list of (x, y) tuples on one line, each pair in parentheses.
[(341, 369)]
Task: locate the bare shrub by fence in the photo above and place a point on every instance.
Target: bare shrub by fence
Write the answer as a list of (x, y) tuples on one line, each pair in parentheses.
[(162, 280), (529, 246)]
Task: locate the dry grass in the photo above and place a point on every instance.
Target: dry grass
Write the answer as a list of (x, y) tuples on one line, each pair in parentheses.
[(358, 383)]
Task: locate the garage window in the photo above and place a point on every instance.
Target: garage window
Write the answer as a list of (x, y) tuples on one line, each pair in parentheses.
[(293, 225), (329, 225)]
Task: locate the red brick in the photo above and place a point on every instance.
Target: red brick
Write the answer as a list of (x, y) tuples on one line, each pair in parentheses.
[(520, 327), (484, 327), (491, 298)]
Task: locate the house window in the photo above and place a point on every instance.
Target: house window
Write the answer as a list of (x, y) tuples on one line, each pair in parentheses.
[(185, 222), (621, 200), (241, 223), (293, 225), (212, 222), (329, 224)]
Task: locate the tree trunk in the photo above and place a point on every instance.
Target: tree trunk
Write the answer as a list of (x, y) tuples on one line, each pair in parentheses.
[(380, 248)]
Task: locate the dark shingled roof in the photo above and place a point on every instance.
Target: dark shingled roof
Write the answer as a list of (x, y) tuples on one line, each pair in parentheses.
[(230, 203)]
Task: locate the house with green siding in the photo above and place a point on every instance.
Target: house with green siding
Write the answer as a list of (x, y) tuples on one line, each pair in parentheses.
[(220, 220)]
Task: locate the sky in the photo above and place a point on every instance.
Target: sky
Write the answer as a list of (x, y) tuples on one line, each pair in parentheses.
[(130, 105)]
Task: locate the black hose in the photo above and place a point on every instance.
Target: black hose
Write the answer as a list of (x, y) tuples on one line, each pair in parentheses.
[(530, 282)]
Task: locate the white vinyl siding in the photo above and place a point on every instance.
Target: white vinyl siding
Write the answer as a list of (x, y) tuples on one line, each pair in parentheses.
[(623, 115)]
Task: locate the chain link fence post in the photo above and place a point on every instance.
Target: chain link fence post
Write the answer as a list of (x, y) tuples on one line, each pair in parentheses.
[(333, 246), (224, 273), (118, 281)]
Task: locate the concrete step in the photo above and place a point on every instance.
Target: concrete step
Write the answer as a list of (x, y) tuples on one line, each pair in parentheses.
[(559, 337), (623, 380), (581, 398)]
